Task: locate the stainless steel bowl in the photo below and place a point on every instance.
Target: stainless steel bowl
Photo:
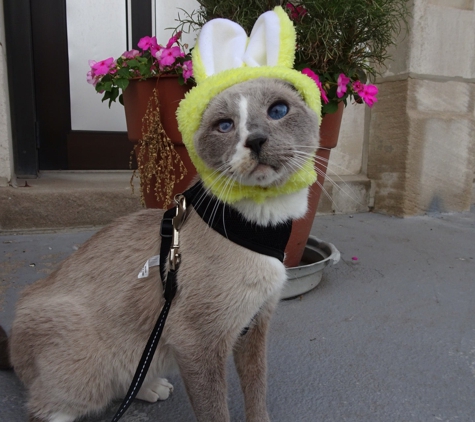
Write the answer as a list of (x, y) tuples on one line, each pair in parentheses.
[(317, 255)]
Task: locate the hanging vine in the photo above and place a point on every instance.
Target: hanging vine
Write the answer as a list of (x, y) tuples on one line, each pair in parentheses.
[(159, 166)]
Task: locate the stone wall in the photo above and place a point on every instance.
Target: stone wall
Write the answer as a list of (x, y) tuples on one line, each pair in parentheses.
[(421, 152)]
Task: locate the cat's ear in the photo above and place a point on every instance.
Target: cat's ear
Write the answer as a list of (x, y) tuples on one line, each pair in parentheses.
[(223, 44)]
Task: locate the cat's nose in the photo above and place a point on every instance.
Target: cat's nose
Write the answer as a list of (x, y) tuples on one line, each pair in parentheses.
[(255, 142)]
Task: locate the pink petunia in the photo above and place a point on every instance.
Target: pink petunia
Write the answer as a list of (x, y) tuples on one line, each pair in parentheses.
[(342, 83), (369, 94), (103, 67), (148, 43), (366, 92), (154, 49), (187, 70), (167, 56), (296, 12), (357, 86), (173, 39), (131, 54), (92, 79), (311, 74)]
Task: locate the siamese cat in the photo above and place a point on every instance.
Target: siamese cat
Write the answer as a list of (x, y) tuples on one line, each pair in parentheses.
[(78, 334)]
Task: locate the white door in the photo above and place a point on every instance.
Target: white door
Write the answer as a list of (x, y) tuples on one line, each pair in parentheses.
[(98, 29)]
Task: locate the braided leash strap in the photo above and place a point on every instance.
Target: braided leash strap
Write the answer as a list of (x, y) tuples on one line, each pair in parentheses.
[(169, 250)]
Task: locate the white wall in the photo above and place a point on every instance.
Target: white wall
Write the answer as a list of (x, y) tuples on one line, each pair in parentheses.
[(166, 14), (92, 36), (346, 157)]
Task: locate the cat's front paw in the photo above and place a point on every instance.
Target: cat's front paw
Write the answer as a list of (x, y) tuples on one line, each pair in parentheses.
[(158, 389)]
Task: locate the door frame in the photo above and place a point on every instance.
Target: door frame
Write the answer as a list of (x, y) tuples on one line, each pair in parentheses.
[(23, 86)]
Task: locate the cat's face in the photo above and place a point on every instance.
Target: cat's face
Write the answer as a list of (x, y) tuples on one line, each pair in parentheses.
[(257, 132)]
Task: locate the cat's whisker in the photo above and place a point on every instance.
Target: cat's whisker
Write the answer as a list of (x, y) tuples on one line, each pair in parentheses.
[(346, 189), (340, 188)]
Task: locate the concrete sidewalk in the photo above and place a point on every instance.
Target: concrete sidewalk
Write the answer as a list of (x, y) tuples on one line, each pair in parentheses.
[(389, 337)]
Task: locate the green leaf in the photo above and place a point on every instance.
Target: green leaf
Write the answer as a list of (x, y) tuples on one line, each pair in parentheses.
[(329, 108), (124, 72), (100, 87), (106, 96), (144, 70), (361, 75), (121, 99), (107, 86), (301, 66), (133, 63), (122, 83)]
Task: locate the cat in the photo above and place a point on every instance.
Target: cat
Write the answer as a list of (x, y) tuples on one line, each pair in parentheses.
[(79, 333)]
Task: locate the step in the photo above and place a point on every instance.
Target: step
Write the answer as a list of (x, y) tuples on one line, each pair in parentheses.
[(60, 200), (67, 199)]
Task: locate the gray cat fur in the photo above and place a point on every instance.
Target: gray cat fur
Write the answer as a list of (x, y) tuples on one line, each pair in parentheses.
[(78, 334)]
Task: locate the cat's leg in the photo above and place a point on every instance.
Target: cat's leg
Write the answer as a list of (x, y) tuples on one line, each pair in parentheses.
[(250, 360), (155, 389), (202, 366)]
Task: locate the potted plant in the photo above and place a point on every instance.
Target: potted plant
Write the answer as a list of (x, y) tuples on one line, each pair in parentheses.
[(340, 45), (153, 80)]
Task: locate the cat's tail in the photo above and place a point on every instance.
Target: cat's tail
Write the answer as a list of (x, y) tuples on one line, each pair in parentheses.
[(4, 352)]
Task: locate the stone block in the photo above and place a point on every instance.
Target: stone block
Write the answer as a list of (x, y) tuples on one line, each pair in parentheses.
[(442, 97), (387, 149), (345, 195), (59, 200), (422, 147), (443, 39)]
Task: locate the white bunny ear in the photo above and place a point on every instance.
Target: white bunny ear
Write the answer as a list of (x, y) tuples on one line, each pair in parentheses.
[(221, 45), (264, 43)]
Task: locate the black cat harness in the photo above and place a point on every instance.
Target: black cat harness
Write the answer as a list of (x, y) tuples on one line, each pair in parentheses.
[(266, 240)]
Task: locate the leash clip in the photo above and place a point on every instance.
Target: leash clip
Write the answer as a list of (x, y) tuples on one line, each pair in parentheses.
[(177, 222)]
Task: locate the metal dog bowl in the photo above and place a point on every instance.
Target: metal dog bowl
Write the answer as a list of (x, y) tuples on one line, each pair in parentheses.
[(317, 255)]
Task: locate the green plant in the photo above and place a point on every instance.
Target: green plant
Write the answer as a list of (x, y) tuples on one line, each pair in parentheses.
[(338, 41), (109, 76)]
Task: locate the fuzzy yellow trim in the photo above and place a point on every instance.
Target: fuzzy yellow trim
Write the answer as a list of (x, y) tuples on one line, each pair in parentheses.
[(288, 39), (191, 110)]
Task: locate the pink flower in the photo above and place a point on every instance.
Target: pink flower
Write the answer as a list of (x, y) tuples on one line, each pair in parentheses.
[(296, 12), (130, 54), (103, 67), (91, 79), (187, 70), (167, 56), (174, 39), (366, 92), (342, 83), (357, 86), (312, 75), (147, 43), (369, 94)]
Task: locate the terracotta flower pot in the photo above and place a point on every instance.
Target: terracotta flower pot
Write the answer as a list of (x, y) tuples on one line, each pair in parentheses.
[(329, 132), (136, 99)]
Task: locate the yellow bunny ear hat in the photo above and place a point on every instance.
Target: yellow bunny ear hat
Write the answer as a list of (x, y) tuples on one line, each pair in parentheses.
[(225, 56)]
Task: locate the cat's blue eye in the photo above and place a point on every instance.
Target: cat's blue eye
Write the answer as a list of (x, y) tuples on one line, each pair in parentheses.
[(225, 126), (278, 110)]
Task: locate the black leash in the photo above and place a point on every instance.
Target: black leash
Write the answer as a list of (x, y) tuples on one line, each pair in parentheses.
[(266, 240), (169, 233)]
